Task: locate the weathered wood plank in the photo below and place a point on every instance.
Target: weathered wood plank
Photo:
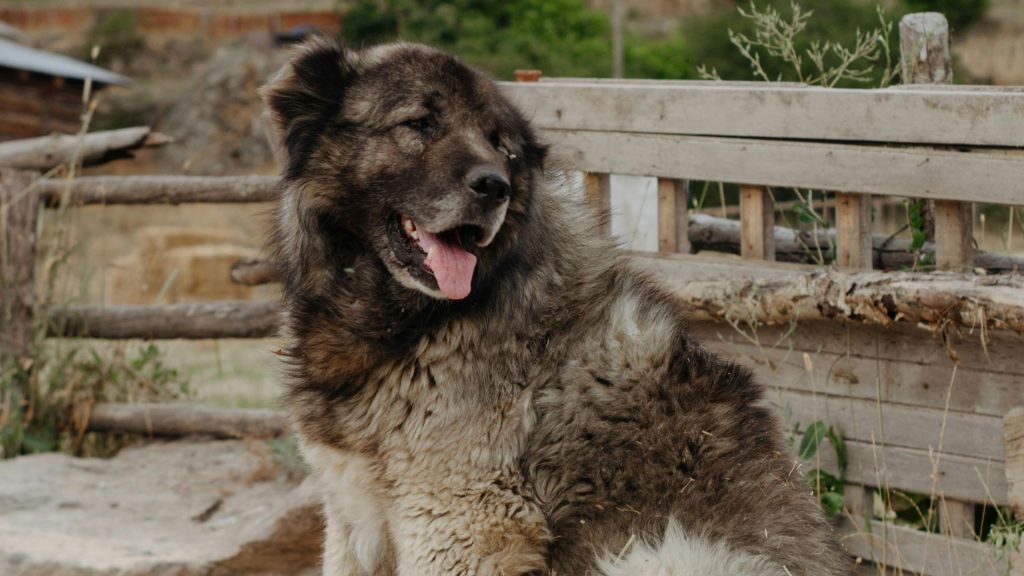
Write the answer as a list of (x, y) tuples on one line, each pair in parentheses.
[(977, 176), (757, 223), (896, 424), (673, 216), (241, 319), (916, 552), (956, 518), (1013, 445), (853, 225), (160, 189), (187, 420), (909, 470), (978, 117), (924, 49), (46, 152), (874, 297), (19, 206), (598, 187), (954, 235), (895, 364)]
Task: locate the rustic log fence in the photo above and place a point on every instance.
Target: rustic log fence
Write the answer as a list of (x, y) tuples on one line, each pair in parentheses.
[(920, 410)]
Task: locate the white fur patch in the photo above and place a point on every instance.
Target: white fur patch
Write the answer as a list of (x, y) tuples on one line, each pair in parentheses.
[(355, 520), (682, 555)]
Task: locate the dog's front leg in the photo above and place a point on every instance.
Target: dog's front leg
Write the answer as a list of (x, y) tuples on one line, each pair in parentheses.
[(356, 542), (483, 530)]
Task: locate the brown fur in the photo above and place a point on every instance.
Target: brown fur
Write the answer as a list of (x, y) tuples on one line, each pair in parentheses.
[(541, 423)]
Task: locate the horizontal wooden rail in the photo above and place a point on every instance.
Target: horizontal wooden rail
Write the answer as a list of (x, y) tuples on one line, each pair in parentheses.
[(159, 189), (712, 288), (908, 551), (187, 420), (994, 176), (47, 152), (233, 319), (978, 117)]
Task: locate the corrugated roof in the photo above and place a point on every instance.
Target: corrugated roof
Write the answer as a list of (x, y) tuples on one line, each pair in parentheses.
[(20, 57)]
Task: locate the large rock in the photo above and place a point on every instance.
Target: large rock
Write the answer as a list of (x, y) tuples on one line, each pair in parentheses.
[(183, 509)]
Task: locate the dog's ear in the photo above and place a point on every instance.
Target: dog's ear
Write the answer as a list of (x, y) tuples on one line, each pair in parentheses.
[(305, 94)]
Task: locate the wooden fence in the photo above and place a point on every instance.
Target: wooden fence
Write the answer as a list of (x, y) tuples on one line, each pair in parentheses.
[(916, 371)]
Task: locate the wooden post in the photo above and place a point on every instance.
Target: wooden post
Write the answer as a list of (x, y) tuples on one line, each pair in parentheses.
[(925, 56), (1013, 449), (956, 518), (19, 206), (673, 216), (853, 227), (598, 187), (757, 223)]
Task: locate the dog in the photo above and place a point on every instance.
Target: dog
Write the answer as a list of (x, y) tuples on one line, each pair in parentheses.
[(480, 381)]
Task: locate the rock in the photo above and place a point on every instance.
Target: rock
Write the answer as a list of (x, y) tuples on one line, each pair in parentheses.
[(185, 508)]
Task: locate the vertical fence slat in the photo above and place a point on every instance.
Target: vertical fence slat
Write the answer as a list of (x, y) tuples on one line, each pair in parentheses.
[(18, 209), (859, 500), (956, 518), (925, 57), (757, 223), (853, 228), (599, 194), (673, 217), (954, 235)]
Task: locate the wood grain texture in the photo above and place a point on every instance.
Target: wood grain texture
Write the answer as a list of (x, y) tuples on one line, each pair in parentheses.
[(673, 216), (982, 116), (954, 235), (160, 189), (920, 553), (598, 188), (46, 152), (234, 319), (977, 176), (19, 207), (853, 231), (757, 223), (187, 420)]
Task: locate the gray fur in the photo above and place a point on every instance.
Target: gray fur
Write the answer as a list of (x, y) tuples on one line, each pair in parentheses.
[(555, 418)]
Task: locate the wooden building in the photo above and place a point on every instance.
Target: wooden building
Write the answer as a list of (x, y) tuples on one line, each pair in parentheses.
[(41, 92)]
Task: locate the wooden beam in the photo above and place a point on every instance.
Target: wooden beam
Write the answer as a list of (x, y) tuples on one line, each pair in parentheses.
[(19, 206), (598, 187), (186, 420), (991, 176), (778, 296), (47, 152), (853, 225), (673, 216), (160, 189), (902, 364), (956, 518), (924, 49), (235, 319), (954, 235), (905, 550), (757, 223), (1013, 446), (979, 116)]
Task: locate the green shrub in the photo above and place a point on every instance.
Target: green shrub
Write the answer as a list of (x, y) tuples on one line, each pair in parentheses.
[(960, 13), (116, 33)]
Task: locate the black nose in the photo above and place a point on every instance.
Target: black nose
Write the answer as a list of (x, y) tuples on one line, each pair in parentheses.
[(489, 183)]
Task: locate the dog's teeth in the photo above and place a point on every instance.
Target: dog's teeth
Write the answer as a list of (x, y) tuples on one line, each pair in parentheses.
[(409, 226)]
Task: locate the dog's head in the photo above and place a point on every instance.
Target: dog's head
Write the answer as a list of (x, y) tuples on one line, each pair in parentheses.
[(407, 153)]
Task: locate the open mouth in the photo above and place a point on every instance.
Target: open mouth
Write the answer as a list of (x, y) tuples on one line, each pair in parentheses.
[(436, 258)]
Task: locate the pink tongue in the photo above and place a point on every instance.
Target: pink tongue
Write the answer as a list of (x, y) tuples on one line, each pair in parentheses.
[(452, 266)]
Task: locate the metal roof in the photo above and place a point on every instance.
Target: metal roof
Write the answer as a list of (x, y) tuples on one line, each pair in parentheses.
[(13, 55)]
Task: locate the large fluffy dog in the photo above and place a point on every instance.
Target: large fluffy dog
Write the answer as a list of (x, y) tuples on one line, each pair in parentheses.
[(481, 382)]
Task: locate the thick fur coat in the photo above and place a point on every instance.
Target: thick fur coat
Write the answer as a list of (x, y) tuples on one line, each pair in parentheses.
[(480, 380)]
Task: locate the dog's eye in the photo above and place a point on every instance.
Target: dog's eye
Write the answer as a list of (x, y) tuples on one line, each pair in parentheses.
[(421, 124), (495, 139)]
